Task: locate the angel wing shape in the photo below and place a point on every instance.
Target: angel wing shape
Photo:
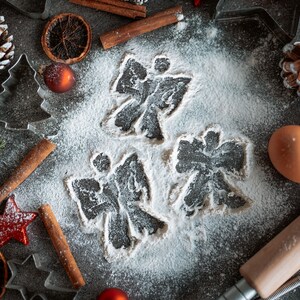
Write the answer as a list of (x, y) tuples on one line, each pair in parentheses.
[(151, 94), (166, 97), (118, 198), (130, 81)]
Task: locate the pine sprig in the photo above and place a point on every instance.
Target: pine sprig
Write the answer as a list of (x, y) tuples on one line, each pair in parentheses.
[(2, 145)]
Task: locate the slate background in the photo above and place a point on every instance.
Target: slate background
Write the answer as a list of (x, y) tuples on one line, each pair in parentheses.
[(200, 283)]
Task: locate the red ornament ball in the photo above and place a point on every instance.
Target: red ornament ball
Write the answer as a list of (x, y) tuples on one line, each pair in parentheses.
[(59, 77), (113, 294)]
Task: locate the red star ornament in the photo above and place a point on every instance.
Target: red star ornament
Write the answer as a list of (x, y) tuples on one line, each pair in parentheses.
[(13, 223)]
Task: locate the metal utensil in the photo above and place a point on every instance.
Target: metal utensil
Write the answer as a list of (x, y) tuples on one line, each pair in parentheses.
[(44, 14)]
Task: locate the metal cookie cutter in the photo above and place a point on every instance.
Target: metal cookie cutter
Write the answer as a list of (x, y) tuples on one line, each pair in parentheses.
[(43, 14), (45, 292), (272, 14), (18, 107), (297, 36)]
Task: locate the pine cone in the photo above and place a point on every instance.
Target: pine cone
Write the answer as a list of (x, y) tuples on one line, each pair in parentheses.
[(6, 45), (291, 67)]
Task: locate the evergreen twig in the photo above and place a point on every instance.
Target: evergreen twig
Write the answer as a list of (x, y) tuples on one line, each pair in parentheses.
[(2, 144)]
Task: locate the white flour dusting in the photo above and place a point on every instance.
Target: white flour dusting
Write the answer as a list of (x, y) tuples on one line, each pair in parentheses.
[(222, 91)]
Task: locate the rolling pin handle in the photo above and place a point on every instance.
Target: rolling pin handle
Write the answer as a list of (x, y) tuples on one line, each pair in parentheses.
[(240, 291)]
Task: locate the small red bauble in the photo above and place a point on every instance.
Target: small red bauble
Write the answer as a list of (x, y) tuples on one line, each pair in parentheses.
[(113, 294), (197, 2), (59, 77)]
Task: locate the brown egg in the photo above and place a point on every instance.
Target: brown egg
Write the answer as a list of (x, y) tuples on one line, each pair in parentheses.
[(284, 151)]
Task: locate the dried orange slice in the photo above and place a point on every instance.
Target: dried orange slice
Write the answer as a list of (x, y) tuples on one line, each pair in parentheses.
[(67, 38), (3, 274)]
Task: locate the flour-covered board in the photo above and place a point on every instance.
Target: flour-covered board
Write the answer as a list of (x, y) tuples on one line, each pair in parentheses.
[(161, 180)]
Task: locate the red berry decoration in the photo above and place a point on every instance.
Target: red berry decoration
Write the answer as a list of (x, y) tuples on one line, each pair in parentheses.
[(13, 223), (197, 2), (113, 294), (59, 77)]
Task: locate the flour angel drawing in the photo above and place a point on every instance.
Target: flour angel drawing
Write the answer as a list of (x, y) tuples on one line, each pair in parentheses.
[(211, 163), (113, 202), (153, 94)]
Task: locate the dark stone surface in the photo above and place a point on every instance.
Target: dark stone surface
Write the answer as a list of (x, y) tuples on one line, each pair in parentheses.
[(202, 282)]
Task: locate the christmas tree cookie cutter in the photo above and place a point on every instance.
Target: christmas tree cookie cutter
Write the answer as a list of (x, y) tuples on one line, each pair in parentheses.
[(49, 291), (43, 14), (18, 109)]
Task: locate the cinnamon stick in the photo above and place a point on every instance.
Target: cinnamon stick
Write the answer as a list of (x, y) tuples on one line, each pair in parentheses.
[(61, 246), (28, 165), (129, 31), (117, 7), (3, 275), (123, 4)]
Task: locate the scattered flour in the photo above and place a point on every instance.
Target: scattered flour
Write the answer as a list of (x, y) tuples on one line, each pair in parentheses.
[(223, 91), (140, 2)]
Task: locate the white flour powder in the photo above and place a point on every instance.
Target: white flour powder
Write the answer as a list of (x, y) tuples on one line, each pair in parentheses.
[(223, 91)]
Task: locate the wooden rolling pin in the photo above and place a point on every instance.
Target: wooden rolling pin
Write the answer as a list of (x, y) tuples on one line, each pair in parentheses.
[(276, 263), (270, 268)]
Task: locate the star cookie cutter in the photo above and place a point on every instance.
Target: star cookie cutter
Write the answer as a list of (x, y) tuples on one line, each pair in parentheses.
[(48, 287), (284, 29), (14, 104), (43, 14)]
